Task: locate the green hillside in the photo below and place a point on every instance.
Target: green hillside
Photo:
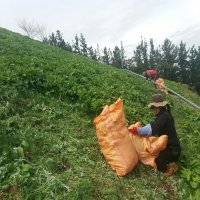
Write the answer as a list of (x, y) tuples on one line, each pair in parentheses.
[(48, 144)]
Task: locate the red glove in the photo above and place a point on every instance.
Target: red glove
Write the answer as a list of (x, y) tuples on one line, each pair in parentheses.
[(133, 129)]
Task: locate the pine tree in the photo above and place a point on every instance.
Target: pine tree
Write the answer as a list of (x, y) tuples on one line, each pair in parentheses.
[(45, 40), (123, 61), (106, 56), (97, 52), (130, 65), (194, 68), (92, 53), (158, 60), (83, 45), (140, 57), (137, 59), (144, 48), (197, 72), (52, 40), (116, 59), (68, 47), (183, 63), (192, 64), (60, 41), (76, 46), (169, 59), (152, 54)]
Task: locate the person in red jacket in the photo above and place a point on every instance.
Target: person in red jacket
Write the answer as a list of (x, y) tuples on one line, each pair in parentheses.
[(151, 74)]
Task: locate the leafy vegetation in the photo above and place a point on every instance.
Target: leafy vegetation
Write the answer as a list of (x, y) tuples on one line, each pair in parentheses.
[(173, 62), (176, 63), (48, 144)]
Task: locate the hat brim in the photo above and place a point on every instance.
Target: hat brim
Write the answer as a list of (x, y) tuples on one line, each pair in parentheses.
[(160, 104)]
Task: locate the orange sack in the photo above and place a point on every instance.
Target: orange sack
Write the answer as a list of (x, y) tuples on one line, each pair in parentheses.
[(114, 140), (159, 85), (148, 148)]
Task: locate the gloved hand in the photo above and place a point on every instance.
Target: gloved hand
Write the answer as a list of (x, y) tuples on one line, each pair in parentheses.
[(133, 130)]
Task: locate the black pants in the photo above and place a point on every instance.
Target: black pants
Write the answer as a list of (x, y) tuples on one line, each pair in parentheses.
[(165, 157)]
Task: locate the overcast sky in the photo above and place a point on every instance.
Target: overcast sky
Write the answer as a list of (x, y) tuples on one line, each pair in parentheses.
[(107, 22)]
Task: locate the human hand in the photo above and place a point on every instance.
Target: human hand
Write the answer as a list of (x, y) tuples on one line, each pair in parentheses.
[(133, 130)]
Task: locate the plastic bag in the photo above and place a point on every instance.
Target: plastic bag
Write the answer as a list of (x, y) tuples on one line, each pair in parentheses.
[(114, 140), (160, 82), (148, 148)]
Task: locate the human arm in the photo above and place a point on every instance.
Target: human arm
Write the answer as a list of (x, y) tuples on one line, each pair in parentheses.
[(145, 130), (141, 131)]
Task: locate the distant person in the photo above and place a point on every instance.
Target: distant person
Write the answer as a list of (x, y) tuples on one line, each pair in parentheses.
[(162, 125), (151, 74)]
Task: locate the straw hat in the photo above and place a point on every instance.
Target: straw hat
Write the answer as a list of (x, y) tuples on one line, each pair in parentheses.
[(157, 101)]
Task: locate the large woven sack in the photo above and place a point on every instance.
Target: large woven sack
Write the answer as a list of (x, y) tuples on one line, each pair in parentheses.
[(148, 148), (114, 140), (160, 84)]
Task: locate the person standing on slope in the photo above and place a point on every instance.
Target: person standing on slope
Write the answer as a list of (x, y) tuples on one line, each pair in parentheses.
[(162, 125)]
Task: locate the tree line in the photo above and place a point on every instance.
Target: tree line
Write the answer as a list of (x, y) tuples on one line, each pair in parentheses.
[(174, 62)]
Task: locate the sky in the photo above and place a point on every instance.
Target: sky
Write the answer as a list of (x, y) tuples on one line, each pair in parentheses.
[(108, 22)]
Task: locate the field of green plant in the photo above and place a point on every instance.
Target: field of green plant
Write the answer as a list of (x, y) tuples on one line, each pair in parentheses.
[(48, 143)]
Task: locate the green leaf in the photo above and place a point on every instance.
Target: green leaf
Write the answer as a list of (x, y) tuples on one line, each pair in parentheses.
[(24, 143), (26, 167), (194, 184)]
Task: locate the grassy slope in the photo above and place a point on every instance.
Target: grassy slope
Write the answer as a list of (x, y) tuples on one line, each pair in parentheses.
[(49, 148)]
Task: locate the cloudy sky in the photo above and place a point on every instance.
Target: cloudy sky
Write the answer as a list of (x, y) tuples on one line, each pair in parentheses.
[(107, 22)]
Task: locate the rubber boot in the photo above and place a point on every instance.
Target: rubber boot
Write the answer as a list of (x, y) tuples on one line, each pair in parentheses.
[(171, 169)]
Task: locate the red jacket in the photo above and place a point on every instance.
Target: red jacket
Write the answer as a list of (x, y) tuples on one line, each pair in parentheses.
[(152, 72)]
